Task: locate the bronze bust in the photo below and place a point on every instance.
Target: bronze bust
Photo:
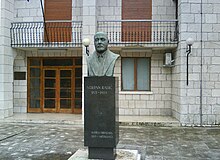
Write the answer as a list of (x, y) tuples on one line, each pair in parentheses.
[(102, 61)]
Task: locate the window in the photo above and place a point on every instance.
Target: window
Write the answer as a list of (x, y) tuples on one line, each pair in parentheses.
[(136, 74)]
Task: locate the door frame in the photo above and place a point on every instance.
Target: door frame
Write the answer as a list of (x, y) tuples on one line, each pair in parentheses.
[(75, 65)]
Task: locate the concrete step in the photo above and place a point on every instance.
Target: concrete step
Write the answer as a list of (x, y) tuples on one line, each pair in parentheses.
[(53, 118)]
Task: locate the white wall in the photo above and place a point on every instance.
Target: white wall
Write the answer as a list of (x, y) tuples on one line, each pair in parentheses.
[(31, 11), (27, 11), (20, 86), (6, 59), (189, 104), (163, 9)]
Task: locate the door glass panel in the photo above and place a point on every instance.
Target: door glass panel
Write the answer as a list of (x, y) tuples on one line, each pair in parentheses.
[(65, 89), (78, 83), (79, 61), (58, 62), (78, 103), (35, 103), (50, 73), (49, 103), (78, 72), (65, 93), (35, 62), (50, 83), (35, 93), (78, 94), (35, 72), (65, 83), (65, 73), (35, 83), (65, 103), (49, 93)]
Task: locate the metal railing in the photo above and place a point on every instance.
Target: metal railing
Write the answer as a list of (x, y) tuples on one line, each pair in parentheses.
[(49, 34), (133, 32)]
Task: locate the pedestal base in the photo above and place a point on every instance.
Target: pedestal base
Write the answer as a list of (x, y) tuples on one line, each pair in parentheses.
[(101, 153), (122, 154)]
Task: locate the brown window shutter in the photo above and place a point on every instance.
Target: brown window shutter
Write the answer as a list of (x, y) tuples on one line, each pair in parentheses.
[(58, 10), (136, 10)]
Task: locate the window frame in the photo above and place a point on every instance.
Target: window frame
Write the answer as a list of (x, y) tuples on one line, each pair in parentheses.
[(135, 74)]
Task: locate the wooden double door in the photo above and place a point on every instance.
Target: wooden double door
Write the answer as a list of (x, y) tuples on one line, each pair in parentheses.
[(55, 85), (58, 90)]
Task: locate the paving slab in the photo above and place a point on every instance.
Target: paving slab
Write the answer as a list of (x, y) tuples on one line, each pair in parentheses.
[(28, 141)]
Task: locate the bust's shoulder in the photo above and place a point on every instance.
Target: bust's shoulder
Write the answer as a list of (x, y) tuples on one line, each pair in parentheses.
[(113, 55), (91, 56)]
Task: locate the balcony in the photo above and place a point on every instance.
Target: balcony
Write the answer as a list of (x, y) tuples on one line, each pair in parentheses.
[(53, 34), (141, 32), (67, 34)]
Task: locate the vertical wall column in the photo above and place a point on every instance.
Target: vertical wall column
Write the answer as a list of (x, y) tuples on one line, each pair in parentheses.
[(186, 101), (88, 31), (6, 59), (199, 101)]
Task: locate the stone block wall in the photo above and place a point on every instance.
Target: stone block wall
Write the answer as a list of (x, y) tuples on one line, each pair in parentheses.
[(77, 10), (6, 59), (198, 103), (27, 11), (31, 11), (20, 86), (163, 9), (109, 9)]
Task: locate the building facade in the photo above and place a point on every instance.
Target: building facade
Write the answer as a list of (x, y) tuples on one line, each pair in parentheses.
[(43, 61)]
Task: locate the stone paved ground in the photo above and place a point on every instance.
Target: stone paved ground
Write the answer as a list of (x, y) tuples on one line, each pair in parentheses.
[(58, 142)]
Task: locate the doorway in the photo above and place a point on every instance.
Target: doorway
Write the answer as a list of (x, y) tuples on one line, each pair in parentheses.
[(55, 85), (58, 90)]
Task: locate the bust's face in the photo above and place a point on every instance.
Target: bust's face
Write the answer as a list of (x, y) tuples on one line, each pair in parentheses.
[(101, 42)]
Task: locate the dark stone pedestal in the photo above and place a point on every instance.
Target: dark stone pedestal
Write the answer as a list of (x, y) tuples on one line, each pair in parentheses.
[(101, 153), (101, 129)]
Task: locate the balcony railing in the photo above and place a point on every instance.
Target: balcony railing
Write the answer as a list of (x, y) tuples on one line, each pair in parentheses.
[(49, 34), (140, 32)]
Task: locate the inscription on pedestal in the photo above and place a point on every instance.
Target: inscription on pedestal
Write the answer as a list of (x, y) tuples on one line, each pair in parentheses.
[(100, 112)]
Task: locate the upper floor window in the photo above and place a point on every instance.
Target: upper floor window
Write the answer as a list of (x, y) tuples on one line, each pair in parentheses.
[(136, 74)]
